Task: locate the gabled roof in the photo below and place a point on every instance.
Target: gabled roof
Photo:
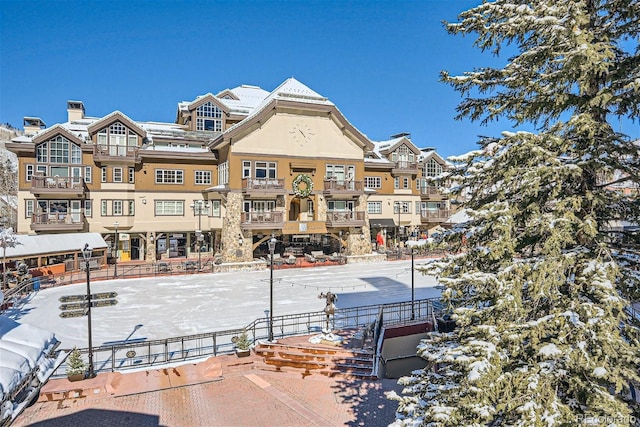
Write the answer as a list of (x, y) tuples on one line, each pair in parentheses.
[(109, 119), (294, 92), (55, 130), (437, 157), (207, 98), (386, 147)]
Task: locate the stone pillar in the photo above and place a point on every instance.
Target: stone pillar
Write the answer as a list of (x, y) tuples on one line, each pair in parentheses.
[(231, 231), (151, 247)]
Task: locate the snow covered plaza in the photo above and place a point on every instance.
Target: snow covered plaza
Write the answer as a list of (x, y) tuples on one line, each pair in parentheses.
[(162, 307)]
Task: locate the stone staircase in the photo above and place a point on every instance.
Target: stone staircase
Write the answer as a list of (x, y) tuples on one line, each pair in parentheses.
[(315, 359)]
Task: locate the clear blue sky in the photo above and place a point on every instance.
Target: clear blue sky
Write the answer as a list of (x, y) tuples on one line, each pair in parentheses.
[(378, 61)]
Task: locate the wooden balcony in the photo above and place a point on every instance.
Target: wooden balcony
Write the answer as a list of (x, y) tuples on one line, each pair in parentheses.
[(345, 219), (57, 187), (333, 187), (404, 167), (435, 215), (432, 192), (57, 222), (262, 220), (117, 154), (263, 186)]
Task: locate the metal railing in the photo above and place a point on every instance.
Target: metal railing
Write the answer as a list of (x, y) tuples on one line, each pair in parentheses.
[(131, 354)]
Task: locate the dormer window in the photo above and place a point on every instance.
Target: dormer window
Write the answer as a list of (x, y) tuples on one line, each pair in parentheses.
[(117, 137), (58, 150), (432, 168), (209, 117)]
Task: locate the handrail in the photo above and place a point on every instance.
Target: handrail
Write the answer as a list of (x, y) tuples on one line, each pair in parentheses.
[(129, 354)]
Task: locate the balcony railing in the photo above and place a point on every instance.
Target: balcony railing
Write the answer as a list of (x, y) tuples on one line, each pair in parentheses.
[(334, 187), (405, 166), (52, 185), (263, 185), (57, 221), (261, 220), (118, 153), (433, 191), (345, 218), (435, 215)]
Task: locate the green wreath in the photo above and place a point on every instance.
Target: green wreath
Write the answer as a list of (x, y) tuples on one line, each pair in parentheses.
[(302, 192)]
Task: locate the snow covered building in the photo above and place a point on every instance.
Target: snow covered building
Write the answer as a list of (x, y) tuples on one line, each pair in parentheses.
[(231, 170)]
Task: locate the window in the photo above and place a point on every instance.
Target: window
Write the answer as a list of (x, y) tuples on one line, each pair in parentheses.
[(266, 170), (28, 172), (103, 177), (203, 177), (169, 207), (340, 205), (103, 207), (169, 176), (405, 207), (372, 182), (87, 174), (117, 174), (59, 150), (336, 172), (215, 208), (117, 137), (132, 175), (432, 168), (374, 207), (246, 169), (396, 182), (28, 207), (117, 207), (132, 207), (223, 173), (209, 117), (42, 169), (88, 211), (405, 182), (417, 207)]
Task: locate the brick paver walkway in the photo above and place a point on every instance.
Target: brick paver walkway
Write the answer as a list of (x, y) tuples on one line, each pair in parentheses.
[(221, 391)]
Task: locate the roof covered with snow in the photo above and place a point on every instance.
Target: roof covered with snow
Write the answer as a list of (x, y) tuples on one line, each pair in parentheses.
[(31, 245)]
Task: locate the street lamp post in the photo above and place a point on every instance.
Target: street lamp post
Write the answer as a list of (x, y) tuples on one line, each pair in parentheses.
[(86, 254), (197, 207), (115, 264), (413, 313), (272, 248)]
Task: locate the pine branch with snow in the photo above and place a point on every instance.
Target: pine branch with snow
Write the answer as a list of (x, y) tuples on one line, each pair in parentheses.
[(539, 295)]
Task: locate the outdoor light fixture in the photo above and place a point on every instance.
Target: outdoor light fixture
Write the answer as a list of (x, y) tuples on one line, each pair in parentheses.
[(115, 264), (272, 248), (240, 240), (86, 254)]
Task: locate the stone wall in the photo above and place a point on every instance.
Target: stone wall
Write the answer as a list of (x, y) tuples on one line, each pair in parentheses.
[(231, 250)]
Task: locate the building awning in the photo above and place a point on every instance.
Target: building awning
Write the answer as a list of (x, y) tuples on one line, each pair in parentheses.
[(382, 223)]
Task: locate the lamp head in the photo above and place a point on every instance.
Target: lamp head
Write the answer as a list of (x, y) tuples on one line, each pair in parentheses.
[(272, 243), (86, 252)]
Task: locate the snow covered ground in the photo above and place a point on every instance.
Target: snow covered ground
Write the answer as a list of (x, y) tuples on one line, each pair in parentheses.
[(162, 307)]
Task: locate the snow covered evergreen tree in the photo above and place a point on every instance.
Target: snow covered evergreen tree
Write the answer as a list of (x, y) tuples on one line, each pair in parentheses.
[(540, 292)]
